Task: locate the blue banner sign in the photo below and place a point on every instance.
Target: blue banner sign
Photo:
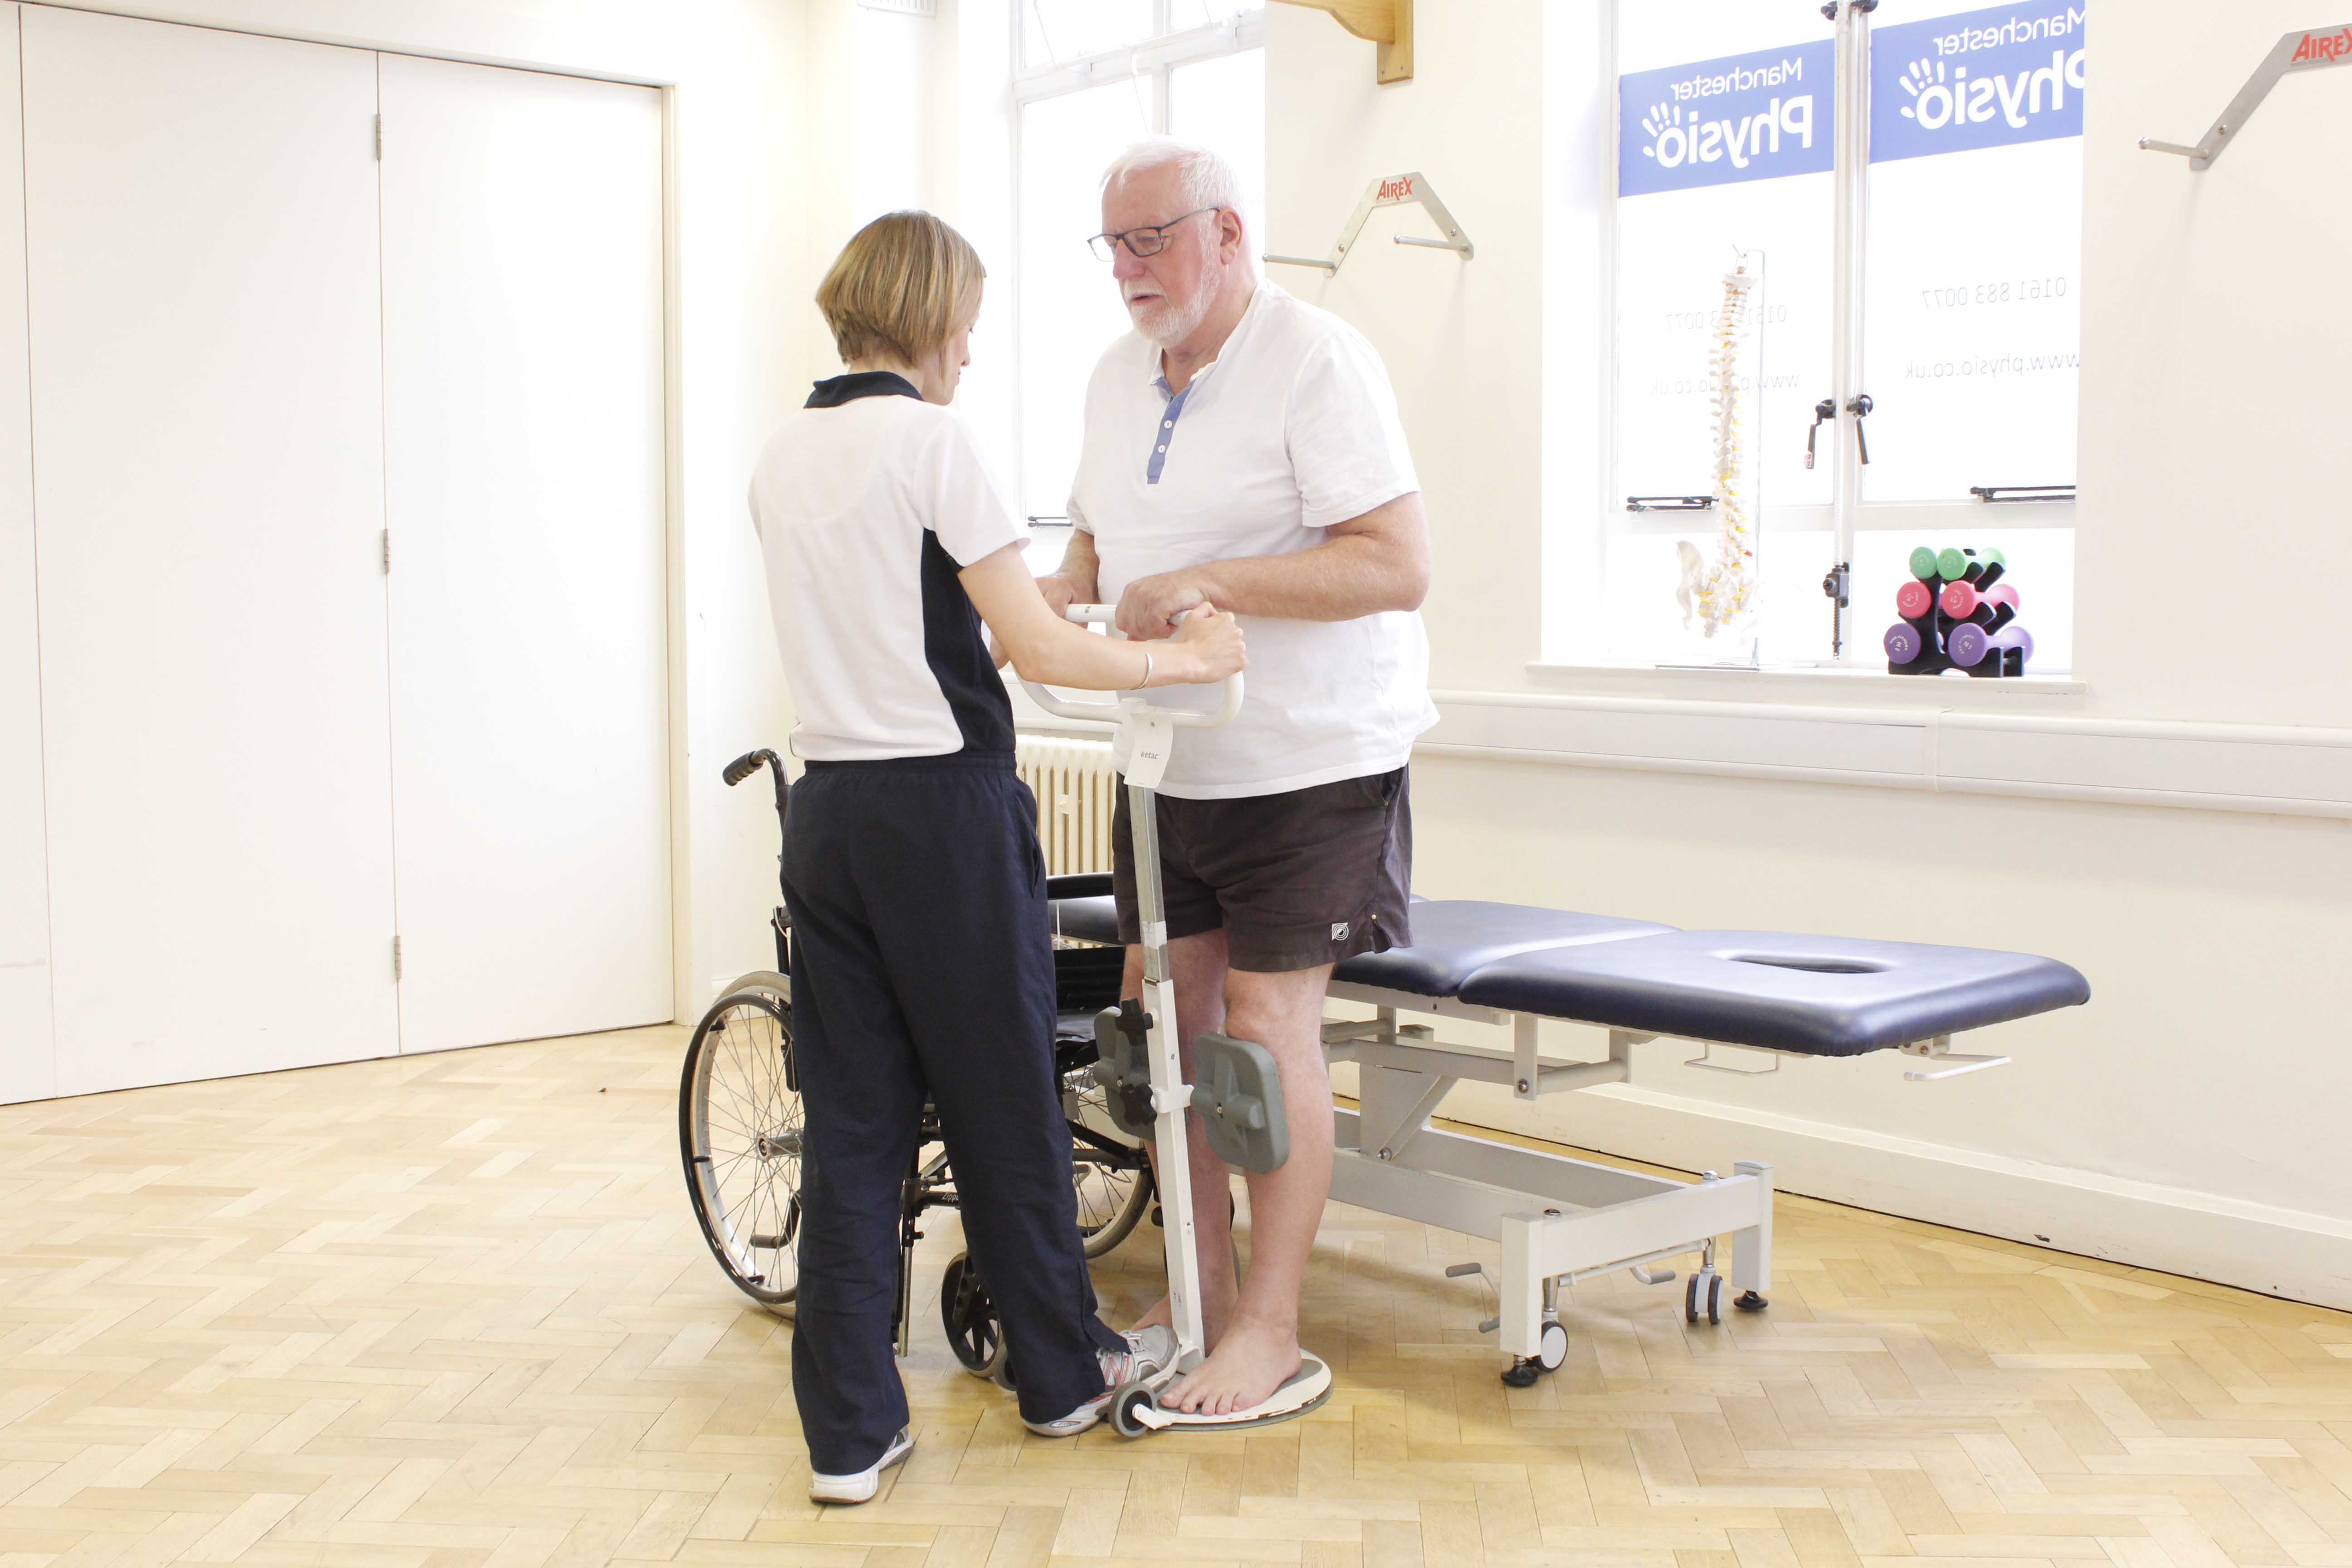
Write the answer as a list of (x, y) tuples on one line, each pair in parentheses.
[(1744, 117), (1980, 79)]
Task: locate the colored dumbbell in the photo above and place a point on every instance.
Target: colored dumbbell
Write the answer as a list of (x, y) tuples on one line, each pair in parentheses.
[(1968, 642), (2017, 637), (1924, 565), (1953, 565), (1914, 599), (1962, 600), (1903, 642)]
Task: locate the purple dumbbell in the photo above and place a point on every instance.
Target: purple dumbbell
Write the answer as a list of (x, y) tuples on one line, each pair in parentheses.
[(1966, 643), (2016, 637), (1902, 642)]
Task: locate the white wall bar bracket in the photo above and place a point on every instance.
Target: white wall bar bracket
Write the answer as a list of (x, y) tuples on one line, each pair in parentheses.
[(2297, 51), (1390, 191)]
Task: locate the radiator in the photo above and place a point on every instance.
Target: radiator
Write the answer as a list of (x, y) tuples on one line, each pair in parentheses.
[(1075, 791)]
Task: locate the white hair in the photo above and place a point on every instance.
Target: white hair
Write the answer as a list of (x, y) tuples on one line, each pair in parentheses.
[(1204, 178)]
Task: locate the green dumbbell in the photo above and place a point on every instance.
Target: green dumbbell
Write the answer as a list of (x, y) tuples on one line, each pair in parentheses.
[(1923, 565), (1953, 565)]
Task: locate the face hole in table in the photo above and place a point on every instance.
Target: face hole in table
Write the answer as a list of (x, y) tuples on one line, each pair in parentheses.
[(1812, 966)]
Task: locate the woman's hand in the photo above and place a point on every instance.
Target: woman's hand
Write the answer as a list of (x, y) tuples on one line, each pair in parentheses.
[(1210, 644)]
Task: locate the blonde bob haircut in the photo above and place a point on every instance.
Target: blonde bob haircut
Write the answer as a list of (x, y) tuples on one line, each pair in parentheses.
[(902, 287)]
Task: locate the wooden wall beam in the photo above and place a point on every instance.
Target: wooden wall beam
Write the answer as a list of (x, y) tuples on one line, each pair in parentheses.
[(1386, 23)]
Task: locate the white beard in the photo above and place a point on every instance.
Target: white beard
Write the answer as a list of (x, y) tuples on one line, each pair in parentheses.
[(1168, 323)]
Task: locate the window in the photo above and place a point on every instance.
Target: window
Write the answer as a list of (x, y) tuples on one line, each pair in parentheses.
[(1900, 194), (1093, 77)]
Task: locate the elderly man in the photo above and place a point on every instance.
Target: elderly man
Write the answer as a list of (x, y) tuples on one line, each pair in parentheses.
[(1243, 449)]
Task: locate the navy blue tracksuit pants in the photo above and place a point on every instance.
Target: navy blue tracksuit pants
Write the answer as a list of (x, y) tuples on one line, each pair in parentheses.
[(921, 964)]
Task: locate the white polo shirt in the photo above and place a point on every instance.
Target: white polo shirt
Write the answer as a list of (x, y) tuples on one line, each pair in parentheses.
[(1292, 428), (868, 502)]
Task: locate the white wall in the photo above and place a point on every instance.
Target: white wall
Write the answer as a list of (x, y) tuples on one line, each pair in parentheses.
[(2188, 1118), (739, 350)]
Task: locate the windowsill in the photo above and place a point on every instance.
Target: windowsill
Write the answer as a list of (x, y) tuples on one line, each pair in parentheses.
[(1797, 678)]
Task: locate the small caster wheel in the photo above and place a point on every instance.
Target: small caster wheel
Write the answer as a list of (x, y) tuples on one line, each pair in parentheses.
[(1551, 1349), (1713, 1299), (1522, 1372), (1749, 1301), (1124, 1405), (967, 1314)]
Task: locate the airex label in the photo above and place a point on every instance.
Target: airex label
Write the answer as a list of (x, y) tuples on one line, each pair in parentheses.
[(1980, 79), (1743, 117)]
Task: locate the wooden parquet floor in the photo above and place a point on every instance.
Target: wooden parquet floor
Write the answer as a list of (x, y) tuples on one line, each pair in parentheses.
[(453, 1312)]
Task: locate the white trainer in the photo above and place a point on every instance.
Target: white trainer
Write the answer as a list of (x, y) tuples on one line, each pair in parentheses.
[(861, 1487), (1149, 1350)]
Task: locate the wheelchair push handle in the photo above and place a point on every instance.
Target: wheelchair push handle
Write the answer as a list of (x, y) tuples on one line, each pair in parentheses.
[(750, 762), (1110, 712)]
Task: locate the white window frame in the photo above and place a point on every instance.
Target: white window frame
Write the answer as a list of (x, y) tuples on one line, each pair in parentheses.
[(1848, 513), (1154, 59)]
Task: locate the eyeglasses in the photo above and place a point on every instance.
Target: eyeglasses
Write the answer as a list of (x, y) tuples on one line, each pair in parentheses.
[(1140, 242)]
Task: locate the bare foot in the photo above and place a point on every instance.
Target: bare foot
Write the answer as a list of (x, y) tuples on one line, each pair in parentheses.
[(1247, 1366), (1214, 1318)]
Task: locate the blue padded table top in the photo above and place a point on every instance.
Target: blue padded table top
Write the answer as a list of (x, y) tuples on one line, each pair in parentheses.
[(1452, 939), (1087, 920), (1816, 995)]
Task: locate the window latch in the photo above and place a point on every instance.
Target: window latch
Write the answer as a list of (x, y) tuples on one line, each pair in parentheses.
[(1826, 409), (1860, 405), (1838, 586), (1865, 6)]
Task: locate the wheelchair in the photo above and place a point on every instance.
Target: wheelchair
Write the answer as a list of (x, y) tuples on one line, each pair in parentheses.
[(740, 1131)]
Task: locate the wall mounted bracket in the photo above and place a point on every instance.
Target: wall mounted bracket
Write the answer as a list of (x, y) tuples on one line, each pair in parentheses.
[(1390, 191), (1387, 23), (2296, 51)]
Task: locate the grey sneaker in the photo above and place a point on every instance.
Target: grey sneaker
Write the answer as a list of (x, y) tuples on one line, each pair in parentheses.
[(861, 1487), (1149, 1350)]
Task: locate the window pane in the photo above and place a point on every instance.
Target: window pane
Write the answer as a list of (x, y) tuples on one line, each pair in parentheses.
[(1184, 13), (1070, 309), (1730, 153), (1221, 103), (2041, 567), (1971, 293), (1055, 30)]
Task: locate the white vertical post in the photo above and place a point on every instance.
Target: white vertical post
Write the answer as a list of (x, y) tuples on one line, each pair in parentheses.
[(1751, 1250), (1520, 1289), (1851, 184), (1169, 1095)]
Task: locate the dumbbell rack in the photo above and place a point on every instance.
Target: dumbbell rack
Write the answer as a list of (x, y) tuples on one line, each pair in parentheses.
[(1952, 619)]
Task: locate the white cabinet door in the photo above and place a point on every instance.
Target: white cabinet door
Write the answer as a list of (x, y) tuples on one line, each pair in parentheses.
[(522, 242), (201, 209), (27, 1064)]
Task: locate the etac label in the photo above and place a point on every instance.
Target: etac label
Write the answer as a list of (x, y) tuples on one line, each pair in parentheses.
[(1743, 117), (1980, 79)]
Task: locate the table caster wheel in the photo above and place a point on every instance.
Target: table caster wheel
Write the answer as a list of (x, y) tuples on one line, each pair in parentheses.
[(1713, 1299), (1126, 1403), (1551, 1349), (967, 1314), (1749, 1301)]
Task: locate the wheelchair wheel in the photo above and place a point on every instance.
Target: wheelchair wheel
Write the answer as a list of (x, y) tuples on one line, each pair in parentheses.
[(967, 1314), (1113, 1189), (740, 1132)]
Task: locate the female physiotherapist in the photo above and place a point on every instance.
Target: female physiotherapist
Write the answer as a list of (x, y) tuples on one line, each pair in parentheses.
[(920, 957)]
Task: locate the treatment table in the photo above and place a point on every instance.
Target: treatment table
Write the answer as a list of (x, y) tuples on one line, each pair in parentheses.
[(1559, 1220)]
